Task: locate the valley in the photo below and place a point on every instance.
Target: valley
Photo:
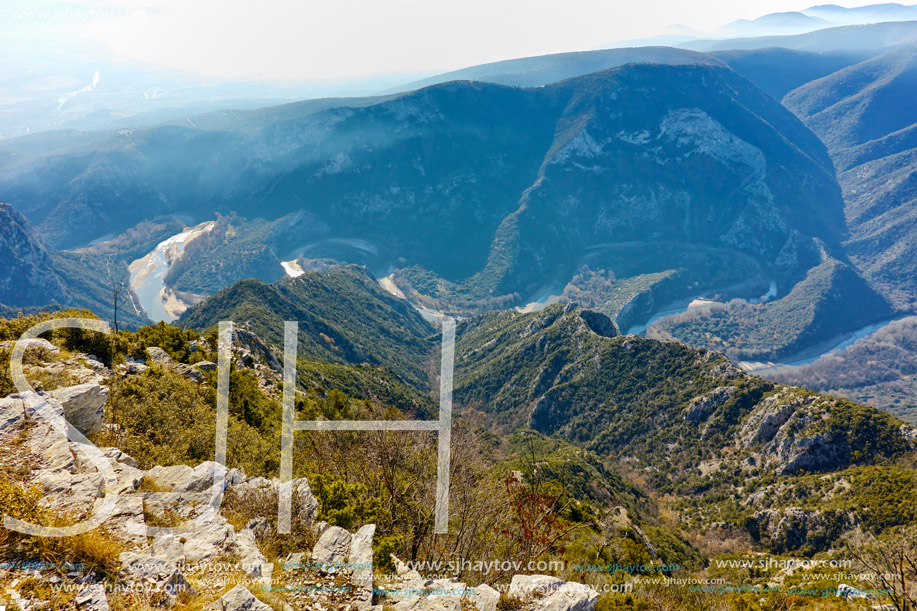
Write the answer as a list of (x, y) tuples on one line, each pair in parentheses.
[(617, 329), (148, 275)]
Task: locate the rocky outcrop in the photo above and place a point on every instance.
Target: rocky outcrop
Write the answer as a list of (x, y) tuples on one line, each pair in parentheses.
[(361, 563), (161, 357), (785, 433), (527, 586), (819, 452), (240, 599), (92, 598), (702, 407), (599, 323), (83, 405), (206, 366), (783, 530), (409, 591), (71, 484), (252, 351), (770, 417), (332, 550)]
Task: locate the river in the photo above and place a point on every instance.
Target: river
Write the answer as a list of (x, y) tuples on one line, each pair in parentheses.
[(830, 346), (763, 368), (692, 303), (148, 275)]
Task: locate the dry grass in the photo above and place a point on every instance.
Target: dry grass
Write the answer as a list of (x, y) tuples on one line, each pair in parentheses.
[(97, 550), (41, 589), (508, 603), (240, 509), (167, 518)]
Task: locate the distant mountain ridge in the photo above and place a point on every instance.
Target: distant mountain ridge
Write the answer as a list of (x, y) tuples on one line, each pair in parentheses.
[(545, 69), (475, 196), (843, 38), (867, 115)]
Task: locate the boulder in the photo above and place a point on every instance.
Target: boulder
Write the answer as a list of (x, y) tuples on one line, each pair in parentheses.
[(568, 597), (240, 599), (205, 366), (166, 478), (332, 549), (83, 405), (255, 484), (305, 505), (361, 563), (485, 598), (92, 598), (161, 357), (32, 344), (131, 369), (201, 478), (205, 542), (526, 586)]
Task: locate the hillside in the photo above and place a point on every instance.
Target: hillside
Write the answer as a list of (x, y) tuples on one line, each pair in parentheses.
[(833, 298), (28, 277), (157, 426), (474, 196), (879, 370), (691, 423), (33, 277), (644, 173), (387, 332), (778, 70), (866, 114), (687, 421), (621, 451)]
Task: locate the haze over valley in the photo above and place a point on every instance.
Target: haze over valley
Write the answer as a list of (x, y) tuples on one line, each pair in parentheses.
[(649, 303)]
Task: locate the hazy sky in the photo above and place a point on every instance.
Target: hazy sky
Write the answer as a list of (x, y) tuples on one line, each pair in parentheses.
[(338, 39)]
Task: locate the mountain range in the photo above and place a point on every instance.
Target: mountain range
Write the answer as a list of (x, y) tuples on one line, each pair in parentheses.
[(707, 158), (658, 261), (771, 182), (695, 426), (867, 116)]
